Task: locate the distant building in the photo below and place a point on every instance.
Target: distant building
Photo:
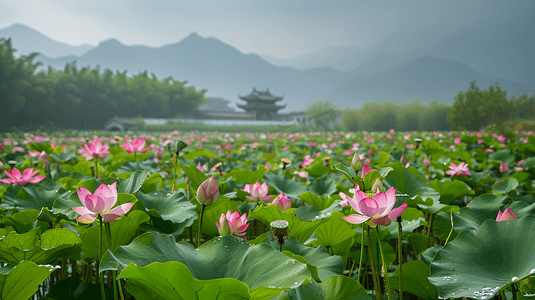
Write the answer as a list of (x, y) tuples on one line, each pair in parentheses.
[(260, 109), (261, 105), (217, 108)]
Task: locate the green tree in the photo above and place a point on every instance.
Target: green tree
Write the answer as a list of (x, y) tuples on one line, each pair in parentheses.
[(477, 108), (322, 113)]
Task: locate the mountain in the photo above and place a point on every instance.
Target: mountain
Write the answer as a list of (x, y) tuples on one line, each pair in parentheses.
[(423, 78), (208, 63), (376, 73), (28, 40), (322, 58)]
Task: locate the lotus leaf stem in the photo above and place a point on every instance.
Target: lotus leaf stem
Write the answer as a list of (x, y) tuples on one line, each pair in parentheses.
[(385, 267), (101, 277), (113, 274), (361, 253), (400, 258), (374, 272), (200, 226)]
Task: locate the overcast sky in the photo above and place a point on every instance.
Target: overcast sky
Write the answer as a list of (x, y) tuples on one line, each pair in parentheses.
[(279, 28)]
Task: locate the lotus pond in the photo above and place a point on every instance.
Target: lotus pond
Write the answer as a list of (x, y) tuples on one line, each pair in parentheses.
[(182, 215)]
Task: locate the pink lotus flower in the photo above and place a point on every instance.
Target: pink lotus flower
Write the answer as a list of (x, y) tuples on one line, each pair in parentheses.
[(43, 157), (135, 145), (461, 169), (100, 203), (508, 215), (232, 224), (378, 209), (503, 167), (307, 161), (95, 149), (21, 179), (208, 192), (1, 147), (457, 141), (258, 192), (501, 138), (427, 162), (282, 202)]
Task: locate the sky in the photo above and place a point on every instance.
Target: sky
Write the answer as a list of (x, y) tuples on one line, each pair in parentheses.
[(277, 28)]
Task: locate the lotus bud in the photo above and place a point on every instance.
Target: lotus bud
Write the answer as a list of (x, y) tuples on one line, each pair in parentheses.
[(503, 167), (282, 202), (378, 187), (365, 169), (208, 192), (222, 226), (403, 159), (356, 162), (44, 158), (508, 215)]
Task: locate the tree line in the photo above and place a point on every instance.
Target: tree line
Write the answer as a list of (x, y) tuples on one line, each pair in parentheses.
[(84, 98), (471, 110)]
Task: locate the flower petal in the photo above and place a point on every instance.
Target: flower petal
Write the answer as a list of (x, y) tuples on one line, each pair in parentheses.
[(119, 210), (95, 203), (81, 210), (396, 212), (87, 218), (356, 219), (82, 193), (382, 221), (368, 207)]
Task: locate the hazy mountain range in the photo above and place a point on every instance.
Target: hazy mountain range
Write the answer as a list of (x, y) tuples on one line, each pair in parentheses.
[(400, 68)]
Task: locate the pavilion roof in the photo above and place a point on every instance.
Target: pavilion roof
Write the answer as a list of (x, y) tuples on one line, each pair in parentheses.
[(260, 95)]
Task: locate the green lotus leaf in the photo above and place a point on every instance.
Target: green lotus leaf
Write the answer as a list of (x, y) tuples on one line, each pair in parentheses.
[(318, 258), (478, 264), (172, 280), (198, 153), (369, 179), (346, 170), (486, 207), (132, 183), (122, 232), (284, 185), (309, 213), (406, 182), (195, 176), (20, 282), (318, 202), (504, 155), (505, 186), (33, 198), (299, 229), (333, 288), (225, 257), (26, 221), (450, 190), (415, 280), (171, 207), (53, 244), (433, 149), (323, 187), (333, 231), (247, 176), (147, 165)]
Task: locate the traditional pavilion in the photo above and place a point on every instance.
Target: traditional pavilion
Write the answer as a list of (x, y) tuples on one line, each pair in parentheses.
[(261, 105)]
